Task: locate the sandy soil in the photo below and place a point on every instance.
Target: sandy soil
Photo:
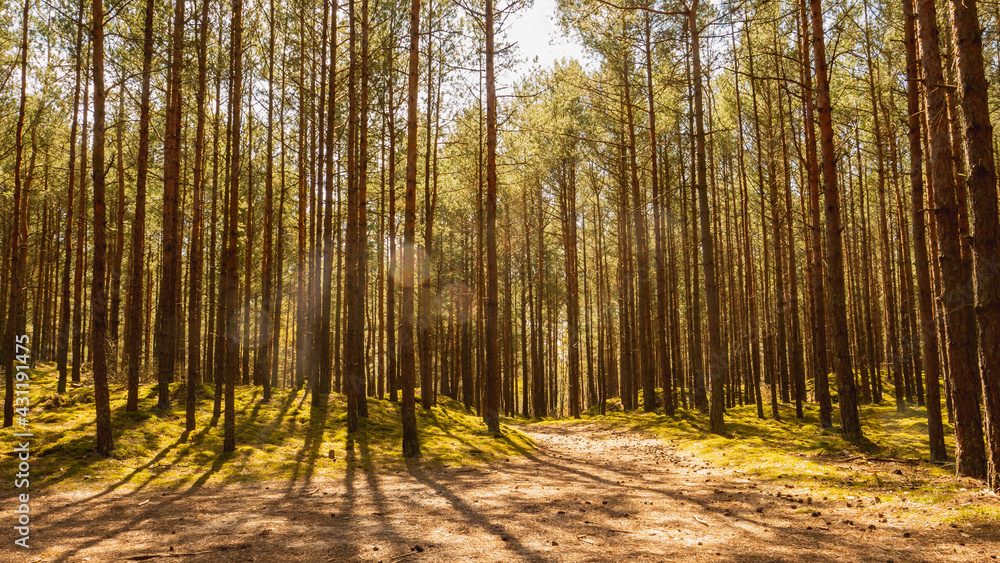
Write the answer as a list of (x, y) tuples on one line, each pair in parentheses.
[(586, 494)]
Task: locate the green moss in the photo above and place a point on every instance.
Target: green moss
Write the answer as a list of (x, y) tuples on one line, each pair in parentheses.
[(284, 439), (978, 513)]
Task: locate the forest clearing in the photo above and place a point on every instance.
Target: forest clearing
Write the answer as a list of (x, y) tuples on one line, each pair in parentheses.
[(387, 280)]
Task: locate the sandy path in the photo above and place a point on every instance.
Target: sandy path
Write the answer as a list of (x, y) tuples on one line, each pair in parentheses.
[(586, 494)]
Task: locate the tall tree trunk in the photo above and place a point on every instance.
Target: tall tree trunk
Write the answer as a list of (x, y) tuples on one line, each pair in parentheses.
[(468, 386), (982, 182), (426, 375), (302, 284), (249, 233), (230, 274), (320, 395), (659, 197), (969, 448), (391, 343), (361, 242), (889, 289), (781, 337), (928, 323), (912, 365), (354, 294), (211, 334), (42, 250), (753, 338), (860, 287), (195, 252), (279, 267), (867, 340), (115, 281), (768, 363), (133, 329), (62, 346), (795, 361), (222, 312), (567, 177), (167, 320), (717, 360), (818, 326), (380, 288), (81, 223), (19, 235), (319, 353), (677, 368), (779, 381), (644, 324), (527, 294), (540, 405), (98, 298), (263, 364), (411, 447), (849, 421), (492, 391), (591, 398)]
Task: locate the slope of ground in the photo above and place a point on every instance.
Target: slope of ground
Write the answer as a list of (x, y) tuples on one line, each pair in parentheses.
[(587, 493), (284, 439), (621, 487)]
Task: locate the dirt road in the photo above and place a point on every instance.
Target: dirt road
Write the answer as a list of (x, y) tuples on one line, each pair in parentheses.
[(586, 494)]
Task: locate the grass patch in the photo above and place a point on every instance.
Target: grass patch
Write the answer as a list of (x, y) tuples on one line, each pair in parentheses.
[(284, 439)]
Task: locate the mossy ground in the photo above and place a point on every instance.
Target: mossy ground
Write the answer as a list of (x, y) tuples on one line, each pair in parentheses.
[(797, 453), (287, 440), (284, 439)]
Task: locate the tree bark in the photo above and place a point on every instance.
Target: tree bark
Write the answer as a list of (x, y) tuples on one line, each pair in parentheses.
[(849, 422), (195, 252), (969, 448), (391, 343), (818, 320), (320, 395), (361, 243), (928, 323), (982, 183), (411, 447), (81, 221), (19, 236), (426, 375), (62, 345), (167, 320), (717, 360), (98, 298), (492, 391), (666, 374), (133, 329), (262, 365), (230, 273), (115, 276), (888, 286)]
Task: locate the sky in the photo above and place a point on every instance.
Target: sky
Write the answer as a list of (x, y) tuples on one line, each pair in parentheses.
[(537, 34)]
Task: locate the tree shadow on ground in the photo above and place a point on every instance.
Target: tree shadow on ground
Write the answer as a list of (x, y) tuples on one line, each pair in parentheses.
[(508, 512), (189, 444), (306, 457), (471, 515)]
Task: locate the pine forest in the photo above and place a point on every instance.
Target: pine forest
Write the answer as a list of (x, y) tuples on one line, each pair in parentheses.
[(435, 280)]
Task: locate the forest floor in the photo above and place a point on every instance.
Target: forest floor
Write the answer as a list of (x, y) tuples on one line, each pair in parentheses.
[(625, 487)]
